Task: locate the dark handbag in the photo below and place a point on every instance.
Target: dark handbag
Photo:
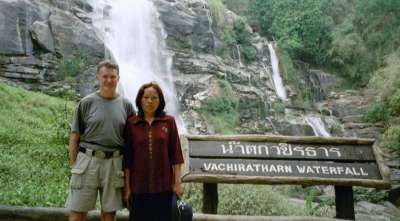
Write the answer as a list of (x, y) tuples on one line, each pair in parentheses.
[(181, 210)]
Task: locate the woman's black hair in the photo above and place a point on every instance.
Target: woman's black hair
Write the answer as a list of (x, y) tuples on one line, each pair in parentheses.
[(160, 109)]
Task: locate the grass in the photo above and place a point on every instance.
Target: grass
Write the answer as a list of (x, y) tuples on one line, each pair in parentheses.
[(33, 158)]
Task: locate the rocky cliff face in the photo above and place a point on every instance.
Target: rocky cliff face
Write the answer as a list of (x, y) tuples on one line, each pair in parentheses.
[(37, 35)]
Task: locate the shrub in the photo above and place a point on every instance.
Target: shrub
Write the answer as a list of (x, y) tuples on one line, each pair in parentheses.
[(221, 110), (69, 68), (218, 105), (236, 199), (394, 104), (376, 112), (302, 26), (350, 55), (61, 125), (370, 195), (239, 199), (391, 138), (279, 108), (217, 9), (249, 53), (386, 79), (222, 113)]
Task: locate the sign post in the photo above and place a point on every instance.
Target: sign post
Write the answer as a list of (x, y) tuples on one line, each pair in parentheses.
[(261, 159)]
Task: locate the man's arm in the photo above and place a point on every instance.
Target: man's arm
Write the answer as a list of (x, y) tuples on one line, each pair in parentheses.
[(73, 147)]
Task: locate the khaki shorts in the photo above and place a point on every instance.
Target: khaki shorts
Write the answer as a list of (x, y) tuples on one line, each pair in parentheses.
[(91, 175)]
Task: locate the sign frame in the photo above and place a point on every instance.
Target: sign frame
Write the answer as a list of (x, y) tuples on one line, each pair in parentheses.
[(189, 176)]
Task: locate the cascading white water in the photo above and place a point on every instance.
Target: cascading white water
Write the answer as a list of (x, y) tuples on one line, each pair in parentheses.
[(280, 89), (239, 56), (134, 37), (318, 126)]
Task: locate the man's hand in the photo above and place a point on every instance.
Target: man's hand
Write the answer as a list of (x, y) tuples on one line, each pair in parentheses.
[(178, 189)]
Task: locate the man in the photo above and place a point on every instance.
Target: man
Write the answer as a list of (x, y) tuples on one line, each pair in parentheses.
[(96, 148)]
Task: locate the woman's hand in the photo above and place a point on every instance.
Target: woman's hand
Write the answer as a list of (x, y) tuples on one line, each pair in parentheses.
[(178, 189), (127, 197)]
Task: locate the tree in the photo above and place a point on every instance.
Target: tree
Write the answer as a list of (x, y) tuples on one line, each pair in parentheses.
[(302, 27)]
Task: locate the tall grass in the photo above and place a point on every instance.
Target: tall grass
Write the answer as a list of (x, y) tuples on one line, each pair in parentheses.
[(33, 160)]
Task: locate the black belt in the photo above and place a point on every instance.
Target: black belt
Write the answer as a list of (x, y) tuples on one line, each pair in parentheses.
[(100, 153)]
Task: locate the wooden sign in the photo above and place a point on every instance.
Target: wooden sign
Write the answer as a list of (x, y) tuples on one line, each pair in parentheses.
[(285, 160)]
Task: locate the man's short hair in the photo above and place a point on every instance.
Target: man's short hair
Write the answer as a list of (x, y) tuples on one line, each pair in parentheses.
[(108, 64)]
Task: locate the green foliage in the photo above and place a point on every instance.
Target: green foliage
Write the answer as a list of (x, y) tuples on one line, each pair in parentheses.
[(249, 53), (33, 165), (239, 199), (291, 76), (175, 43), (69, 68), (394, 104), (255, 107), (386, 79), (222, 110), (391, 138), (217, 10), (240, 7), (370, 195), (243, 39), (246, 200), (217, 105), (376, 112), (373, 9), (301, 26), (61, 125), (278, 108), (231, 35), (351, 38), (309, 201), (348, 48)]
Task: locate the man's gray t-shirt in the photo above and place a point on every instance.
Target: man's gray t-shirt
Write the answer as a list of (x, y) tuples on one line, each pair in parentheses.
[(101, 121)]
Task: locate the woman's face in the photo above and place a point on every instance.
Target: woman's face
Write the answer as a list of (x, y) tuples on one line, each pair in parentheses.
[(150, 100)]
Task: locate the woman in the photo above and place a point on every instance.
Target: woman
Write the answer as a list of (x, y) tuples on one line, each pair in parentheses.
[(153, 158)]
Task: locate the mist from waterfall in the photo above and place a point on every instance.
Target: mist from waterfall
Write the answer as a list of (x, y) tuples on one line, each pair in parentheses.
[(318, 126), (276, 76), (135, 39)]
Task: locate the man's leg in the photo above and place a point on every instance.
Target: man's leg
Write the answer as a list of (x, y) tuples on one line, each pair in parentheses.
[(107, 216), (112, 179), (77, 216), (83, 188)]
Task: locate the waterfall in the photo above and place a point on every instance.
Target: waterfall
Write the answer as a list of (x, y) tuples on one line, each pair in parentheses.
[(280, 89), (318, 126), (135, 39), (239, 56)]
